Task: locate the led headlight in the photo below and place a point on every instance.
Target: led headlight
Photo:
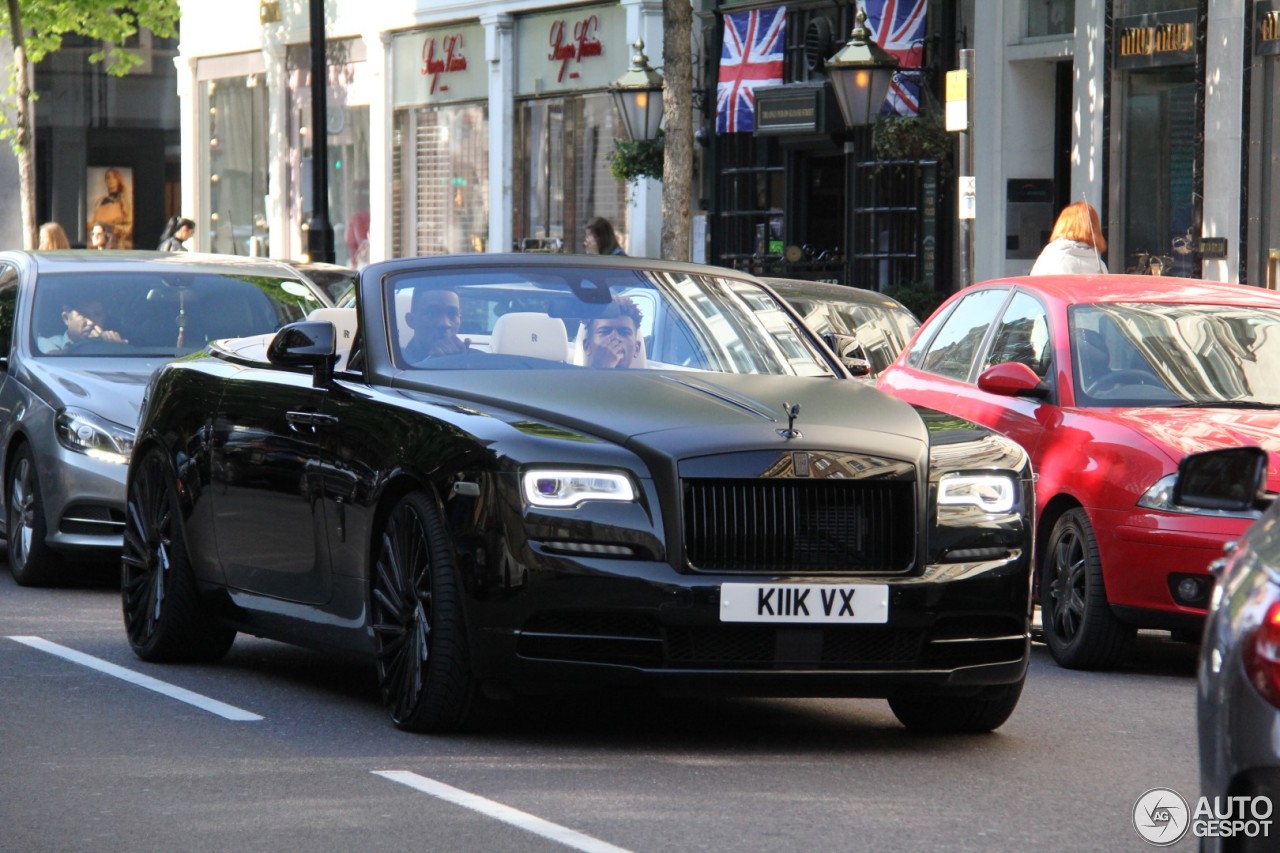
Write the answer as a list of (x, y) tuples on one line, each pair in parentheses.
[(988, 492), (561, 488), (85, 432)]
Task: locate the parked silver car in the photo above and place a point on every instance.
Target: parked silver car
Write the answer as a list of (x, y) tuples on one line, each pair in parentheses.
[(80, 334), (1238, 705), (860, 325)]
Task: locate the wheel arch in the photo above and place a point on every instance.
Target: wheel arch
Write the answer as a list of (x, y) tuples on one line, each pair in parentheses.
[(1058, 506)]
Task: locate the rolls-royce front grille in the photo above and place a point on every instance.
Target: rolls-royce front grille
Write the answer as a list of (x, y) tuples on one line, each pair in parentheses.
[(792, 525)]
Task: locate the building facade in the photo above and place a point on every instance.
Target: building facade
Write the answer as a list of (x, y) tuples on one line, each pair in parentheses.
[(1162, 113), (107, 148), (452, 126), (457, 126)]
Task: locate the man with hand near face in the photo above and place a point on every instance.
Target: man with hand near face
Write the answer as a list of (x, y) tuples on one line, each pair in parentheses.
[(613, 339), (85, 320), (435, 317)]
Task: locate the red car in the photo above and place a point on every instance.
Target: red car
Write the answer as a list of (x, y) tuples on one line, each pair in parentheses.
[(1108, 381)]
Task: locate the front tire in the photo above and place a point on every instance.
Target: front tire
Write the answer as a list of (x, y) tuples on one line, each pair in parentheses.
[(421, 646), (31, 561), (984, 712), (1079, 627), (163, 614)]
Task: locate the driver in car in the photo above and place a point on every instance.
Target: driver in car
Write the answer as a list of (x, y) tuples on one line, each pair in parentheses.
[(84, 320), (434, 316), (613, 339)]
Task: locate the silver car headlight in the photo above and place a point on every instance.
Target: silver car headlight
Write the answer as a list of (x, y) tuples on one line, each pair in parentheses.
[(87, 433), (1160, 497), (565, 488)]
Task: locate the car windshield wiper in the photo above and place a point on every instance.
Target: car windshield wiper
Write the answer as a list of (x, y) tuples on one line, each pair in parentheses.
[(1224, 404)]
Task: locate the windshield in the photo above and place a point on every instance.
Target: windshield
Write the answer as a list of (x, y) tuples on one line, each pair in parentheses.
[(1161, 355), (547, 317), (147, 314)]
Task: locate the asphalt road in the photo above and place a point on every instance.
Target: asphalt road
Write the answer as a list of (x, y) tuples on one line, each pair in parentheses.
[(91, 760)]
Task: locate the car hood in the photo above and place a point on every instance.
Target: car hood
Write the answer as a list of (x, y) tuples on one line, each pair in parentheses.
[(1184, 431), (110, 388), (686, 413)]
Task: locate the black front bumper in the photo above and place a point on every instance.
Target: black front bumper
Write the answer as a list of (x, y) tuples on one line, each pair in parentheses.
[(955, 629)]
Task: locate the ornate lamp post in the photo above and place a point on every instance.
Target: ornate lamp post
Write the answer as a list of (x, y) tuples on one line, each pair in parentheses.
[(860, 75), (638, 96)]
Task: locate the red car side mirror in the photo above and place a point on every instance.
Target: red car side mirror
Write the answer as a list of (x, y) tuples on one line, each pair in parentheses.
[(1012, 379)]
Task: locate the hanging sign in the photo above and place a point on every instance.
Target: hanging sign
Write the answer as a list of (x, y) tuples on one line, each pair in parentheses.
[(1157, 39), (438, 66)]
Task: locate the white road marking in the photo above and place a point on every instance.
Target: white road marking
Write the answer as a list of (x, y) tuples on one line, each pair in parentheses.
[(213, 706), (515, 817)]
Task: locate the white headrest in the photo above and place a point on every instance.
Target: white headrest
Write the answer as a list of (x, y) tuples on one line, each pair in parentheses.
[(530, 334), (344, 327)]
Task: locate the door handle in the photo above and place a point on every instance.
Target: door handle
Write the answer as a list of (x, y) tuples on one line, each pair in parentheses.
[(309, 419)]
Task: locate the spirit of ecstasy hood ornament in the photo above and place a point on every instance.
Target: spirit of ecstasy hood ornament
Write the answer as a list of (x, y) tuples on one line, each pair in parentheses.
[(792, 411)]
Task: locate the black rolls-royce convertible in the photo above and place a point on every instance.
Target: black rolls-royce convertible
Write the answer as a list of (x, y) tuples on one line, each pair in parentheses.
[(499, 475)]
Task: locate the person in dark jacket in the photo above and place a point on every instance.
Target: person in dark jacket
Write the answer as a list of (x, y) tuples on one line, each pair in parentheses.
[(176, 232)]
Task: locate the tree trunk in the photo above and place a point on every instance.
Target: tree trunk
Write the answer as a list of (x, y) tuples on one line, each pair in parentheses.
[(677, 111), (24, 139)]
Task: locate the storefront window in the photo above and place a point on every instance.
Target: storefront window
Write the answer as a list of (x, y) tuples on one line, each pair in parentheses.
[(562, 171), (1159, 210), (1051, 18), (235, 116), (441, 184), (348, 142)]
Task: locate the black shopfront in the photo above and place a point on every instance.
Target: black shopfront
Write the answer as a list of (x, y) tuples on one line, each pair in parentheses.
[(1262, 232), (1156, 158), (804, 197)]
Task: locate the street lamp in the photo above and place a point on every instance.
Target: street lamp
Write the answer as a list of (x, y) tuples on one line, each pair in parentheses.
[(860, 75), (638, 96)]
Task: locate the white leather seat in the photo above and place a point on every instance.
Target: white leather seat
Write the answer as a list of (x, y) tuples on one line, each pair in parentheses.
[(344, 327), (530, 334)]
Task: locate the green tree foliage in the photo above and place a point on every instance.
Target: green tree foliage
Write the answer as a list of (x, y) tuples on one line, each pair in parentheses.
[(36, 29)]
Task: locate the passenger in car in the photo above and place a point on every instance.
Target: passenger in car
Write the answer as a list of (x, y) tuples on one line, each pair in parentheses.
[(84, 320), (613, 339), (434, 316)]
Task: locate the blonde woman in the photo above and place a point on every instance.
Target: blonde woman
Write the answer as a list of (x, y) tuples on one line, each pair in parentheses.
[(53, 237)]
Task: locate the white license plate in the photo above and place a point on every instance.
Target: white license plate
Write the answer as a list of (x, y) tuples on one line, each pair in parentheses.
[(801, 603)]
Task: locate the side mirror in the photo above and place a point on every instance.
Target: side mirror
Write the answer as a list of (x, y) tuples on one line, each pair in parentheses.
[(1233, 480), (306, 344), (849, 350), (1012, 379)]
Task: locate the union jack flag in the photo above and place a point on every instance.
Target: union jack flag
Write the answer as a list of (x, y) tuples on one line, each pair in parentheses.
[(899, 26), (751, 57)]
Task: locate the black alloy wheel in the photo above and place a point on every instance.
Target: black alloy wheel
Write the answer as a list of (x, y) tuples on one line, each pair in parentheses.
[(420, 641), (31, 561), (163, 614), (1079, 627)]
